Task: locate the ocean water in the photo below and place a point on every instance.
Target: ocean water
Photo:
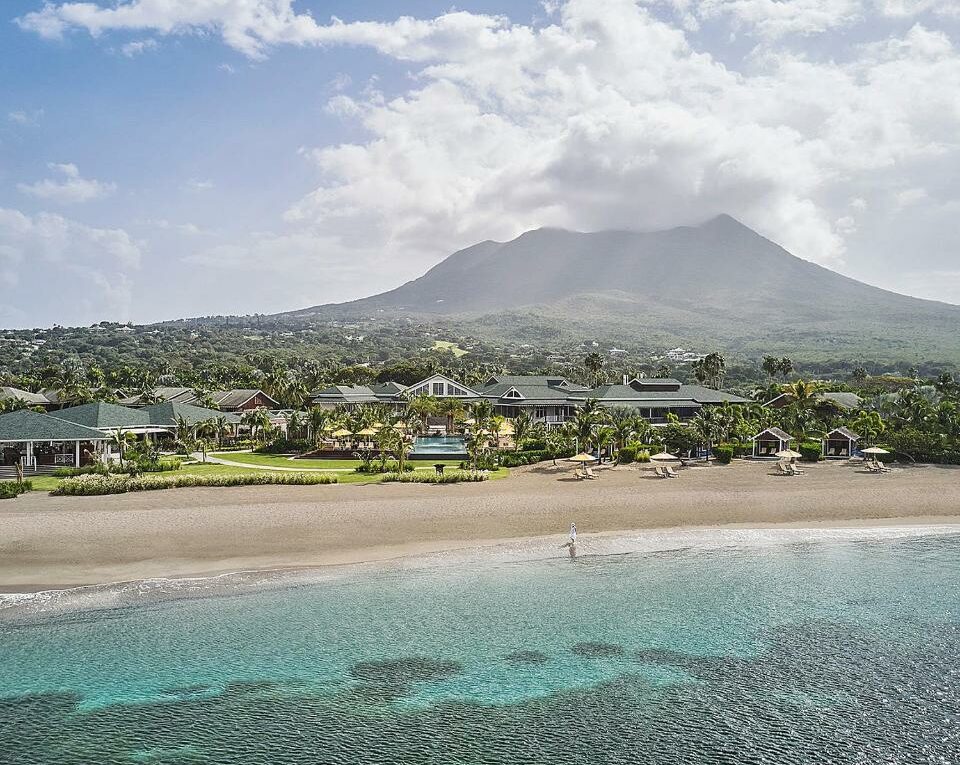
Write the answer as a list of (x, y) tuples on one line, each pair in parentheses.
[(809, 650)]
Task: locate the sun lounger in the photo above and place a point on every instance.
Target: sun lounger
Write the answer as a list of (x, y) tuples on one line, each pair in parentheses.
[(794, 470), (660, 472), (671, 473), (883, 468), (589, 473), (783, 468), (872, 466)]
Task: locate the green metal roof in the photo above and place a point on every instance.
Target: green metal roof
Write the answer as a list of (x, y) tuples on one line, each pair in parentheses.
[(105, 416), (25, 425), (167, 413)]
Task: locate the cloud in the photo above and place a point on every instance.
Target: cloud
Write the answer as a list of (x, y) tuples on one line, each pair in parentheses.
[(70, 188), (136, 47), (195, 184), (25, 118), (602, 116), (85, 271)]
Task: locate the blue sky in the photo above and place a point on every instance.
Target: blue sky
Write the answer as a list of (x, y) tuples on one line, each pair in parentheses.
[(167, 159)]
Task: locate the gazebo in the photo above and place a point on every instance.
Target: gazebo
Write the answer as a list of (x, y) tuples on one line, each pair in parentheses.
[(769, 442), (37, 441), (840, 443)]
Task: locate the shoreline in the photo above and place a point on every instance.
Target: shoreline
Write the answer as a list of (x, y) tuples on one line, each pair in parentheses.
[(49, 543)]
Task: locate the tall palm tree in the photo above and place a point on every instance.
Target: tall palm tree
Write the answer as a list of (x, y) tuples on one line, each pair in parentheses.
[(593, 363), (257, 420), (319, 420), (121, 439), (481, 412), (422, 406), (452, 408), (522, 427)]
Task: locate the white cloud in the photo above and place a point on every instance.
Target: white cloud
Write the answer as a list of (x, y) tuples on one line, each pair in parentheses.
[(136, 47), (71, 187), (602, 117), (47, 253), (23, 117), (196, 184)]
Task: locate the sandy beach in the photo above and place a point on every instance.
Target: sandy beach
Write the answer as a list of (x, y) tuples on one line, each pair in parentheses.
[(56, 542)]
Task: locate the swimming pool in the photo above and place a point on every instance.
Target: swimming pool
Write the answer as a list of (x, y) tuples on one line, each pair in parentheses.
[(446, 447)]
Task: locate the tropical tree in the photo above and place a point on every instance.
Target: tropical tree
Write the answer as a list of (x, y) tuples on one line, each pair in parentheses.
[(294, 425), (771, 365), (710, 425), (318, 421), (452, 408), (711, 370), (593, 363), (481, 412), (522, 428), (258, 420), (121, 440), (422, 406), (391, 441)]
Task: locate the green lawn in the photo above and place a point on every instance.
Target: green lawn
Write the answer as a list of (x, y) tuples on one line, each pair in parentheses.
[(445, 345)]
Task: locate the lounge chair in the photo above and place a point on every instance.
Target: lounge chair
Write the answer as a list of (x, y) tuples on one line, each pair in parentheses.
[(589, 473), (794, 470), (660, 472), (671, 473), (883, 468), (784, 468), (873, 467)]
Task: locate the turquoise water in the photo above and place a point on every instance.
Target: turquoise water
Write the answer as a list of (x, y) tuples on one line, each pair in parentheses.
[(839, 652), (453, 446)]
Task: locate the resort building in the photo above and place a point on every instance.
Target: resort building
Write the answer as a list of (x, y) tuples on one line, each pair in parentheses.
[(31, 399), (549, 399), (840, 443), (770, 442), (42, 443), (237, 400), (169, 415), (110, 419)]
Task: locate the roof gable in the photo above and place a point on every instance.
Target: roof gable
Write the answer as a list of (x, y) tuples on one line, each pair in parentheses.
[(167, 413), (450, 388), (776, 433), (25, 425), (104, 416)]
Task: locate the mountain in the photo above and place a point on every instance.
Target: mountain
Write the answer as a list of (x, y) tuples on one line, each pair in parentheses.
[(719, 283)]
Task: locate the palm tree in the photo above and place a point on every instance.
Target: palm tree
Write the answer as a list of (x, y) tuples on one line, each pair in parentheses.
[(481, 412), (593, 363), (318, 421), (522, 425), (121, 439), (294, 425), (497, 422), (422, 406), (220, 427), (392, 442), (184, 432), (452, 408), (709, 425), (869, 426), (256, 419)]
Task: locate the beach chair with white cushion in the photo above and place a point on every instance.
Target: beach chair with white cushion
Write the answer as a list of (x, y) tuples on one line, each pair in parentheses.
[(660, 472), (794, 470), (783, 468), (590, 473), (881, 467), (671, 473)]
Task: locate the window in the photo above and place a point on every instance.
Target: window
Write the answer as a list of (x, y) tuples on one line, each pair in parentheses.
[(513, 393), (453, 390), (540, 412), (438, 389)]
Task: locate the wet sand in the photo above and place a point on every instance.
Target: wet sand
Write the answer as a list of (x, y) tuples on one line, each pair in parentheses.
[(55, 542)]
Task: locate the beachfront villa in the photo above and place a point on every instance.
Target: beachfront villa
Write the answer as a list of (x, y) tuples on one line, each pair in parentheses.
[(43, 443), (770, 442), (840, 443), (80, 435), (551, 400)]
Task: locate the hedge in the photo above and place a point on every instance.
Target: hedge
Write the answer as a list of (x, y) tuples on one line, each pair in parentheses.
[(811, 451), (459, 476), (131, 467), (11, 489), (723, 453), (97, 485)]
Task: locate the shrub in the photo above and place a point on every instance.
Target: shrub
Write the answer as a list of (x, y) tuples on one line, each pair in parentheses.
[(284, 446), (526, 457), (810, 451), (723, 454), (458, 476), (627, 455), (11, 489), (917, 446), (643, 455), (95, 485)]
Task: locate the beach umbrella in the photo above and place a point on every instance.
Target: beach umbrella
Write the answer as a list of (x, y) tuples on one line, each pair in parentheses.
[(789, 454), (342, 433), (875, 450), (583, 457), (664, 457), (470, 422), (507, 429), (367, 432)]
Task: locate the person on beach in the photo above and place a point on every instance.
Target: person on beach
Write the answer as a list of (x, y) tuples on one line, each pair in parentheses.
[(572, 544)]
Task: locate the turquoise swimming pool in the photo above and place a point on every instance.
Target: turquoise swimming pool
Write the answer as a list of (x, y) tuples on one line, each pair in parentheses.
[(446, 447)]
